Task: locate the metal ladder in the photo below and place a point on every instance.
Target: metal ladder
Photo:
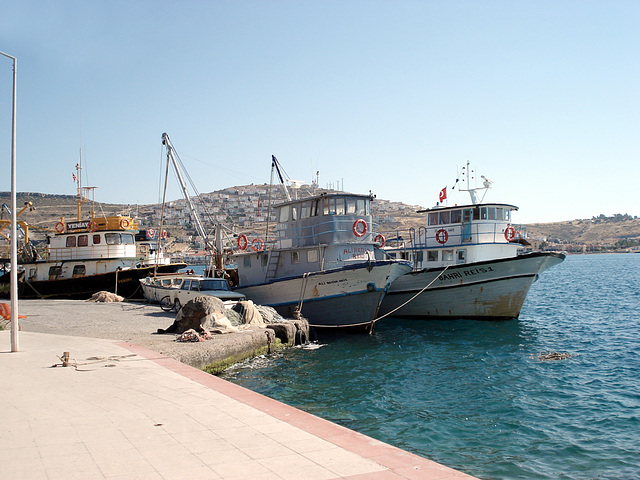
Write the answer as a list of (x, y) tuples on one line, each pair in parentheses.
[(272, 266)]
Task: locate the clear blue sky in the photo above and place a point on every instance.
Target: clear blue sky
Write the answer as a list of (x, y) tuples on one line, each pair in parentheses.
[(543, 97)]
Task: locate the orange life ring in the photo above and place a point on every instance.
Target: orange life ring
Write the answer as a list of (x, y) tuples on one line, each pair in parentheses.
[(124, 223), (151, 233), (242, 242), (92, 226), (380, 240), (509, 233), (356, 224), (164, 234), (442, 236), (260, 245), (59, 227)]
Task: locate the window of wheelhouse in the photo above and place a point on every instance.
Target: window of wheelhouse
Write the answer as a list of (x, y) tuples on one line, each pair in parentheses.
[(96, 239), (71, 241), (434, 218), (362, 206), (284, 214), (445, 217), (305, 210), (351, 206), (79, 270), (456, 216), (83, 240)]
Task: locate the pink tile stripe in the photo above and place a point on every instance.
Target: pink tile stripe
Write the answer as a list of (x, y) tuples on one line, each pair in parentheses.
[(400, 464)]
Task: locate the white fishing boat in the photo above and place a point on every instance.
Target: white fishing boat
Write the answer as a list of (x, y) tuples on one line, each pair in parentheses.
[(322, 264), (468, 261), (85, 256)]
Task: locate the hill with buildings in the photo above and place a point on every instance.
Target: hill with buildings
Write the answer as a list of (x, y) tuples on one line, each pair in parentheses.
[(245, 209)]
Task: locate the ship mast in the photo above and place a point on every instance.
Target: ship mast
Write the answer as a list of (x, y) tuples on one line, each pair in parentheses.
[(467, 176)]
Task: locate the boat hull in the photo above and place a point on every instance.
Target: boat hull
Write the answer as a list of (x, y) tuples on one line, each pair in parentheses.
[(340, 298), (127, 281), (491, 290)]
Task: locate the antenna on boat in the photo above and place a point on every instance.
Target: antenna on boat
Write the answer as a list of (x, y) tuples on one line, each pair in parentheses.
[(467, 176)]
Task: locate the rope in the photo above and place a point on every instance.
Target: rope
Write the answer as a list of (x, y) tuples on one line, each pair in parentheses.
[(412, 298)]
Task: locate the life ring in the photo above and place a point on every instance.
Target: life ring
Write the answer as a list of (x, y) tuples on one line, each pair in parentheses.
[(151, 233), (356, 224), (442, 236), (380, 240), (124, 223), (164, 234), (92, 226), (242, 242), (509, 233), (59, 227), (257, 245)]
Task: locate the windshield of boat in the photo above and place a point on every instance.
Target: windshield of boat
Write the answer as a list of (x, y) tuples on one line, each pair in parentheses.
[(119, 238)]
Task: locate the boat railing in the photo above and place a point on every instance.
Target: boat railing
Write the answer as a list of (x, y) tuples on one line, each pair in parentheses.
[(91, 252), (335, 229), (456, 235)]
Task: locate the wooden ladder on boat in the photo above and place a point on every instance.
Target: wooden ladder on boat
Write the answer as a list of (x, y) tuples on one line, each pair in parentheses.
[(272, 266)]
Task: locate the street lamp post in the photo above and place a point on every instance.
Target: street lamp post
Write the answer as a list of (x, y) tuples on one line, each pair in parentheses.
[(14, 236)]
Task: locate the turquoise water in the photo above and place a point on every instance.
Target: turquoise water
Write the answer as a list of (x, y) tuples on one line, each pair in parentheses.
[(474, 396)]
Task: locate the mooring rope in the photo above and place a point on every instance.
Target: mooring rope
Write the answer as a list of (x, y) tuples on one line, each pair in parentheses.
[(412, 298)]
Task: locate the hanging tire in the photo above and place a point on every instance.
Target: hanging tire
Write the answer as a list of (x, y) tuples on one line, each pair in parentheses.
[(166, 304), (300, 338)]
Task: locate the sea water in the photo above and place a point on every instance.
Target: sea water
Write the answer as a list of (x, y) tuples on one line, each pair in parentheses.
[(475, 395)]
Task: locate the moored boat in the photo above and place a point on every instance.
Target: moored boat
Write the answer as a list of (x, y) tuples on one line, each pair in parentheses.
[(322, 263), (86, 256), (468, 261)]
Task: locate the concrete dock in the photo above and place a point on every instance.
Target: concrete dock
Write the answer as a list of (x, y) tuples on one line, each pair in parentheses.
[(122, 410)]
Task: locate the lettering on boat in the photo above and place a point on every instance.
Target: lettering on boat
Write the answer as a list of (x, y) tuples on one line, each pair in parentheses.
[(77, 225), (359, 253), (331, 282), (476, 271), (450, 276)]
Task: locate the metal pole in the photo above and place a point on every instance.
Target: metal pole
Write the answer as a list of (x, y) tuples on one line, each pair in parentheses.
[(14, 236)]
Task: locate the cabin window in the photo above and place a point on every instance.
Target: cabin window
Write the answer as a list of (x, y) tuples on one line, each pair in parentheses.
[(447, 255), (329, 206), (284, 214), (445, 218), (83, 240), (434, 218), (112, 238), (362, 205), (294, 212), (312, 256), (96, 239), (419, 256), (55, 272), (79, 270), (71, 241), (483, 213), (340, 210), (507, 215), (305, 210), (265, 259), (186, 285), (461, 256), (432, 255), (247, 261), (476, 213), (295, 257), (499, 213), (491, 213), (195, 286), (456, 216), (314, 208), (351, 206)]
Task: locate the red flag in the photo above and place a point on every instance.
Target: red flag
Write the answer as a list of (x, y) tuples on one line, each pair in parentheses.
[(74, 176), (443, 194)]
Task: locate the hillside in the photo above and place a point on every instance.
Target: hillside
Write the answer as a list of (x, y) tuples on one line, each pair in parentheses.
[(619, 231)]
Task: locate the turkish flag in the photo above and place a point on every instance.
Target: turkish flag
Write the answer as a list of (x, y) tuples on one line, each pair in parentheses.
[(443, 194)]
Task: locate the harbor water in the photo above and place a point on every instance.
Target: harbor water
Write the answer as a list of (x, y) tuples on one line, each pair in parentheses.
[(476, 395)]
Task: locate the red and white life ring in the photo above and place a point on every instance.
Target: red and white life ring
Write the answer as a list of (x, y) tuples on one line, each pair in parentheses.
[(164, 234), (442, 236), (59, 227), (124, 223), (509, 233), (151, 233), (92, 226), (242, 242), (359, 232), (257, 245), (380, 240)]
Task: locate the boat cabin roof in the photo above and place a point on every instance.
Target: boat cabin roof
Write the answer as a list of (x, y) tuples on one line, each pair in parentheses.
[(460, 207), (327, 196)]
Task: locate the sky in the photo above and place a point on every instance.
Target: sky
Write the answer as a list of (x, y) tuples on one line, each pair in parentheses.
[(392, 97)]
